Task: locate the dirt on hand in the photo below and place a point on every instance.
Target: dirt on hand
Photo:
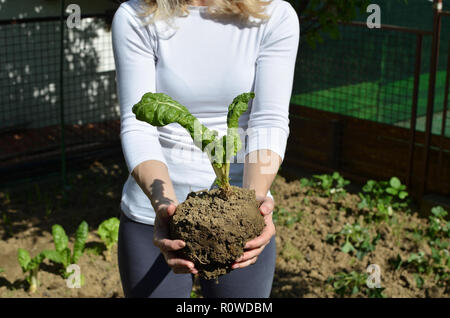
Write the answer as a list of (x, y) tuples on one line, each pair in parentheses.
[(216, 227)]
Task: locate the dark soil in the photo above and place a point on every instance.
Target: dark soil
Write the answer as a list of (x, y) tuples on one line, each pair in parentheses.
[(216, 227)]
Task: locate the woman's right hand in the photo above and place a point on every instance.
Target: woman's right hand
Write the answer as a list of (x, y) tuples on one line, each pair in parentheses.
[(168, 246)]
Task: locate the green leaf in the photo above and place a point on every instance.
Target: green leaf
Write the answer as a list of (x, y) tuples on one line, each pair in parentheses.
[(108, 231), (52, 255), (402, 194), (159, 109), (347, 247), (392, 191), (36, 261), (24, 259), (65, 257), (80, 239), (395, 182), (235, 110), (419, 281), (60, 238)]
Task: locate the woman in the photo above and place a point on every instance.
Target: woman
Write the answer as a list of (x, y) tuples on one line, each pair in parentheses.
[(202, 54)]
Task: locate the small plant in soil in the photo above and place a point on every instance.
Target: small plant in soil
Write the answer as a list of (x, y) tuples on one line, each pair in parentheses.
[(108, 231), (62, 254), (30, 266), (384, 197), (353, 283), (326, 185), (214, 224), (356, 239), (438, 226), (284, 217)]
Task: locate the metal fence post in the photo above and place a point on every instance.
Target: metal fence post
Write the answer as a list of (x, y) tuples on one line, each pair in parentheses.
[(61, 101), (412, 125), (437, 8)]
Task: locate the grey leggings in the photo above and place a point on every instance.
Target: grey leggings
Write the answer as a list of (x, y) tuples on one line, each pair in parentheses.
[(145, 273)]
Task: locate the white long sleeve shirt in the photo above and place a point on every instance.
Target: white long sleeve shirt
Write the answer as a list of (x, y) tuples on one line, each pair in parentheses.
[(203, 64)]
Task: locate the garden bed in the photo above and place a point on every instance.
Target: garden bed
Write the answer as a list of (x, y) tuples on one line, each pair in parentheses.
[(313, 259)]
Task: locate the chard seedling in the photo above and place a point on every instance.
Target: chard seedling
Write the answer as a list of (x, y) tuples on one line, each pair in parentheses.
[(30, 266), (159, 109), (109, 233), (62, 254)]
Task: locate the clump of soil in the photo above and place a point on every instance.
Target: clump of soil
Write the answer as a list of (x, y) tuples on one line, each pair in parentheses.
[(215, 227)]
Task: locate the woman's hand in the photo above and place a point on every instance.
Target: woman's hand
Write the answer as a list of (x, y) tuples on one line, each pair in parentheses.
[(254, 247), (168, 246)]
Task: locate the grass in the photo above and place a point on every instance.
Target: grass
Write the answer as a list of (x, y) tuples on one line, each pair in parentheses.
[(394, 100)]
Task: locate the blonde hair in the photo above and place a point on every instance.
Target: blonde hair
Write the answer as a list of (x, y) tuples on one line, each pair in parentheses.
[(242, 10)]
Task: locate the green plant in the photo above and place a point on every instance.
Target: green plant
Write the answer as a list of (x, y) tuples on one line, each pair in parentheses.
[(356, 238), (1, 270), (330, 185), (419, 280), (347, 284), (420, 262), (159, 109), (30, 266), (383, 197), (108, 231), (62, 254), (438, 225), (282, 216)]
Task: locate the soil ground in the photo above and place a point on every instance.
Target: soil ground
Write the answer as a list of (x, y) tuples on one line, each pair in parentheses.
[(305, 258)]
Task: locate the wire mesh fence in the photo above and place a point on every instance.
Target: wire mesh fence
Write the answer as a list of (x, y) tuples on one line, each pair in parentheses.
[(31, 96), (368, 74)]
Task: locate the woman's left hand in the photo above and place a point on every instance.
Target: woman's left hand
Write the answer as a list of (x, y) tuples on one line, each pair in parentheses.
[(254, 247)]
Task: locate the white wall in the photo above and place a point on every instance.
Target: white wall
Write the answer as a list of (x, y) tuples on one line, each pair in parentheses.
[(29, 66), (18, 9)]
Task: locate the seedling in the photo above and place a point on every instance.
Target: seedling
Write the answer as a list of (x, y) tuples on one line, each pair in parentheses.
[(438, 227), (420, 262), (109, 233), (159, 109), (282, 216), (330, 185), (356, 240), (347, 284), (62, 254), (386, 196), (30, 266)]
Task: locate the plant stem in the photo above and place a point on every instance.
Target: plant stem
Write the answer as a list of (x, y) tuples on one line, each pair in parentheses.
[(33, 282)]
